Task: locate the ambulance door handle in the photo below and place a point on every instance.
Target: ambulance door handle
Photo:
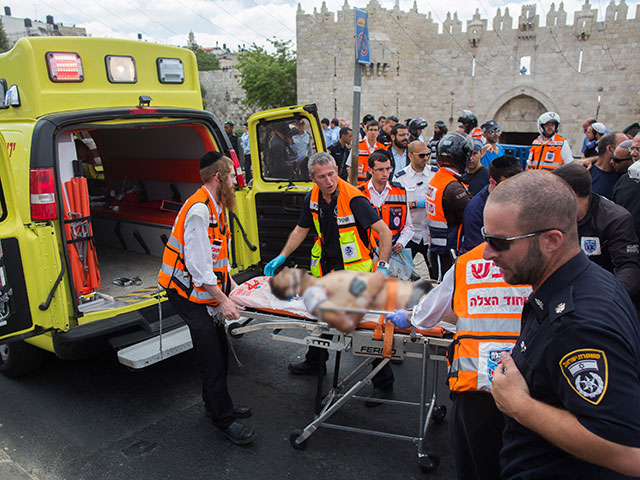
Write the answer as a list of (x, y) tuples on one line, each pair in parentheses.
[(47, 303)]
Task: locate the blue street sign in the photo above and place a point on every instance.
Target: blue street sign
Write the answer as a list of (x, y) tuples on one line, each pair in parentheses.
[(362, 37)]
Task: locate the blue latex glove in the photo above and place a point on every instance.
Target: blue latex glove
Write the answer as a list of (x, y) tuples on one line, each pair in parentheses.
[(422, 203), (383, 271), (399, 319), (271, 267)]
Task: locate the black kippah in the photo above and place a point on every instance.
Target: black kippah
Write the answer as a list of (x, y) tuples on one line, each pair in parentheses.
[(210, 158)]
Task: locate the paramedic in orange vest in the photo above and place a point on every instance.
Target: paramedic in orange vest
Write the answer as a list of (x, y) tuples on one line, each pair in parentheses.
[(549, 151), (487, 311), (447, 198), (469, 125), (195, 273), (389, 199), (365, 148), (343, 220)]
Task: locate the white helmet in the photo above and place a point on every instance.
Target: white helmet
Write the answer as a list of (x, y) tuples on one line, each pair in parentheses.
[(547, 117)]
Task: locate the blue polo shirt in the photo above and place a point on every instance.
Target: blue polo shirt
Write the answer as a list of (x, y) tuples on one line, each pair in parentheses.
[(578, 350), (489, 157)]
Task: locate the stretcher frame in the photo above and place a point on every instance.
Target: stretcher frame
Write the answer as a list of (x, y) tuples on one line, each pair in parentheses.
[(411, 345)]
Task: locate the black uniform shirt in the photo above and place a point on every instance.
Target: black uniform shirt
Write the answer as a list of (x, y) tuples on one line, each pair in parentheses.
[(579, 350), (363, 212)]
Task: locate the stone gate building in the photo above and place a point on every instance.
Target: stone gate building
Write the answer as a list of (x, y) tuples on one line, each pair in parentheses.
[(418, 71)]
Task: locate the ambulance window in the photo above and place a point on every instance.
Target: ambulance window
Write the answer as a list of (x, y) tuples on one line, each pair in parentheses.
[(285, 146)]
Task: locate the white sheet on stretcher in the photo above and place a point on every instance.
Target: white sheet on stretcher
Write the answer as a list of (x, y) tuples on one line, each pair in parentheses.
[(256, 293)]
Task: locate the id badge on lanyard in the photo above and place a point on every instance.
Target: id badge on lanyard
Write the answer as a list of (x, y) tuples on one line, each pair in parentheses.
[(216, 248)]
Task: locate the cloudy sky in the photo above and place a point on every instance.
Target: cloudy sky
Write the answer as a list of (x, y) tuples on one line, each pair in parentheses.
[(238, 22)]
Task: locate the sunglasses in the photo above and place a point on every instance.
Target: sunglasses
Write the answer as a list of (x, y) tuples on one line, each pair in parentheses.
[(618, 160), (634, 149), (422, 155), (502, 244)]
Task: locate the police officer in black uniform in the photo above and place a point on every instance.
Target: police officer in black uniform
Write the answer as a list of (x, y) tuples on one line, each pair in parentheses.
[(570, 387)]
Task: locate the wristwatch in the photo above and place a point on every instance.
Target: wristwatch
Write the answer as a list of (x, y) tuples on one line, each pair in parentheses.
[(383, 264)]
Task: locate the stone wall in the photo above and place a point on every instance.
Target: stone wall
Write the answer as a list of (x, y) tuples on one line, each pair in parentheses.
[(224, 96), (418, 71)]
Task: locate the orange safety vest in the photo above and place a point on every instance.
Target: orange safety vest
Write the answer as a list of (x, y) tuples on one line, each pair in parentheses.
[(546, 155), (443, 236), (356, 254), (478, 134), (363, 158), (489, 312), (174, 274), (393, 211)]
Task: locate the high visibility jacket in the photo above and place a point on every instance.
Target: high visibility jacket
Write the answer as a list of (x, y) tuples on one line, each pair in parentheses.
[(444, 237), (173, 272), (363, 158), (545, 155), (393, 211), (356, 254), (478, 134), (489, 312)]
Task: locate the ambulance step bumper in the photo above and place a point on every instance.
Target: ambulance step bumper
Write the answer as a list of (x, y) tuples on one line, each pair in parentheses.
[(152, 350)]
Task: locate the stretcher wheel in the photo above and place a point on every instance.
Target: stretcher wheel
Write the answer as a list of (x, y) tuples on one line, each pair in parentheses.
[(439, 412), (429, 462), (293, 436), (232, 328)]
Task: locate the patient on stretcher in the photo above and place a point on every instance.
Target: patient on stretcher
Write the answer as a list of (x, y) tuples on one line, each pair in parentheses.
[(345, 289)]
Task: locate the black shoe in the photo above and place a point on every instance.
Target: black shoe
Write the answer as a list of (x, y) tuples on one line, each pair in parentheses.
[(303, 368), (238, 411), (242, 412), (239, 433), (377, 393)]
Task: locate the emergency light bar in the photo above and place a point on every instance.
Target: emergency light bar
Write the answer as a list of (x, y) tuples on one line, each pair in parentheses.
[(64, 67), (121, 69), (170, 70)]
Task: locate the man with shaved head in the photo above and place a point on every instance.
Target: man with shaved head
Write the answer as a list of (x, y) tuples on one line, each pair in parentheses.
[(603, 175), (570, 387)]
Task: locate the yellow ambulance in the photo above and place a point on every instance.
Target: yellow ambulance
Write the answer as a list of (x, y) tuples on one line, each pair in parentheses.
[(103, 140)]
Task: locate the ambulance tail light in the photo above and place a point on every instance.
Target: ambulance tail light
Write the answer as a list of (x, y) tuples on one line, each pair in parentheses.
[(64, 67), (236, 165), (43, 198)]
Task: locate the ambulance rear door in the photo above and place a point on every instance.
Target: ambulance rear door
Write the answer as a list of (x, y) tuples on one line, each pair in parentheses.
[(30, 263)]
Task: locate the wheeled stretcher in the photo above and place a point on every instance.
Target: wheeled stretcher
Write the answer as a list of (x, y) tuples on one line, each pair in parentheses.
[(427, 345)]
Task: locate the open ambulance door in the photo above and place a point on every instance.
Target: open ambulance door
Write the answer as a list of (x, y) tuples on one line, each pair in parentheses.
[(31, 270), (281, 142)]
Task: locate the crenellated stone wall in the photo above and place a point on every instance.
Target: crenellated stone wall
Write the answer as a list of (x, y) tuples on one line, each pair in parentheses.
[(419, 69)]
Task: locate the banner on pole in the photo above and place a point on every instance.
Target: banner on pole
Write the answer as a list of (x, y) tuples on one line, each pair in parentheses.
[(362, 37)]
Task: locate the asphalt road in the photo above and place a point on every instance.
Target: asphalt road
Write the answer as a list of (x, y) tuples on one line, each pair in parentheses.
[(98, 420)]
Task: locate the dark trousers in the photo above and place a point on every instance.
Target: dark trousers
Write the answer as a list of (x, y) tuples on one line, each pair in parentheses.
[(316, 357), (422, 248), (475, 428), (247, 168), (210, 344), (440, 264)]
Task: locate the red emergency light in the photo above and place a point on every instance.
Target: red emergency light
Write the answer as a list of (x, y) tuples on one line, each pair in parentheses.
[(64, 67), (43, 197)]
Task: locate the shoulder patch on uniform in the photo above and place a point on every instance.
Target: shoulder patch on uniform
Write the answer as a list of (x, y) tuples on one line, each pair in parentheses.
[(586, 371), (633, 249), (400, 173), (396, 184)]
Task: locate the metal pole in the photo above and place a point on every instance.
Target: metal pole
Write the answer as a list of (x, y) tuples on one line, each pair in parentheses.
[(357, 84)]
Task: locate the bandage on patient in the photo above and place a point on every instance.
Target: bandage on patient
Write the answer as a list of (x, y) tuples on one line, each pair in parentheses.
[(313, 297)]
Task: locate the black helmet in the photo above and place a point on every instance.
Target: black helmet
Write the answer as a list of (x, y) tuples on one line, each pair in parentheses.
[(440, 124), (367, 118), (417, 124), (455, 149), (468, 119)]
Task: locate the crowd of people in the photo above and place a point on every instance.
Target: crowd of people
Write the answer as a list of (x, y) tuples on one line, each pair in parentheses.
[(536, 263)]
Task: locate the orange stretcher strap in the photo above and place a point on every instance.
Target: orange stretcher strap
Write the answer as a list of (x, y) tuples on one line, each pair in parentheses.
[(392, 296)]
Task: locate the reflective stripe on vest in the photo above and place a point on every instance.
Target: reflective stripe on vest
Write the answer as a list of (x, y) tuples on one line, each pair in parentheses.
[(442, 237), (393, 211), (478, 134), (355, 254), (546, 156), (173, 271), (489, 311)]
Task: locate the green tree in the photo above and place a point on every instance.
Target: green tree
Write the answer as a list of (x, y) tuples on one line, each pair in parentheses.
[(268, 79), (206, 61), (4, 40)]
